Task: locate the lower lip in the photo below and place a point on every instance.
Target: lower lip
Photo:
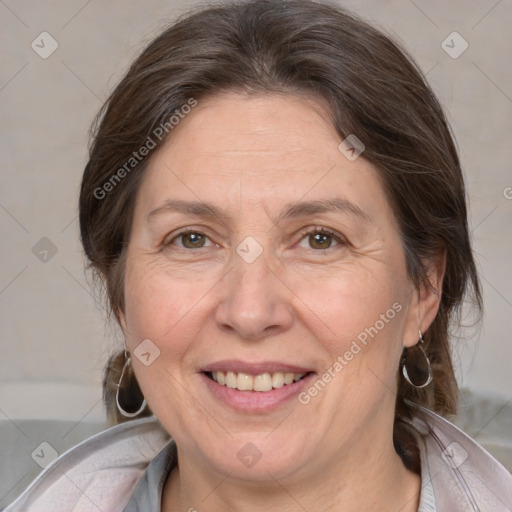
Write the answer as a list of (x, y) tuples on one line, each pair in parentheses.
[(256, 401)]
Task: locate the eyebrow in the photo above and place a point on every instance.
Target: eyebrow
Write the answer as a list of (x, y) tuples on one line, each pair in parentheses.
[(334, 205), (198, 208), (289, 211)]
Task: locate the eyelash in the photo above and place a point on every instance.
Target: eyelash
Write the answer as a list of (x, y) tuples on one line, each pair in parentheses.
[(309, 232)]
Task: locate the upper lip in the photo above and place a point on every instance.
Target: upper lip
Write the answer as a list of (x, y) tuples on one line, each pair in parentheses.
[(254, 368)]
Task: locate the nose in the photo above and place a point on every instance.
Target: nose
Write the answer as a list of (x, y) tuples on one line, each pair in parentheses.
[(255, 303)]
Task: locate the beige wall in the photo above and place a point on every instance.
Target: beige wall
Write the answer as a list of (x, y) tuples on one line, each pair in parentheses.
[(53, 337)]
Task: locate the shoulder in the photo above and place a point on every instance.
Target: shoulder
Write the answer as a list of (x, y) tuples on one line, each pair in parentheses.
[(464, 476), (98, 474)]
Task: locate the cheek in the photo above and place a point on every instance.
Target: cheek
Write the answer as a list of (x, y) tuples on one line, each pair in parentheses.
[(156, 309), (361, 313), (155, 306), (351, 298)]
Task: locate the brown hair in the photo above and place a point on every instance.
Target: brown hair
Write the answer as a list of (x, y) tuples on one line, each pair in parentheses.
[(373, 90)]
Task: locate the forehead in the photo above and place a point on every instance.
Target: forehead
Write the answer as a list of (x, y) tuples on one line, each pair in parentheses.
[(238, 150)]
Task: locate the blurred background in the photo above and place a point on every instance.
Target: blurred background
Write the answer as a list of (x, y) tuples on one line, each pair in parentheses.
[(60, 60)]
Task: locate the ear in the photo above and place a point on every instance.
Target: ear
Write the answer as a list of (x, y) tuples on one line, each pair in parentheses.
[(425, 300)]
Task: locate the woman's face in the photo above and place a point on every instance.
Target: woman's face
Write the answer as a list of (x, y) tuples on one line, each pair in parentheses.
[(293, 268)]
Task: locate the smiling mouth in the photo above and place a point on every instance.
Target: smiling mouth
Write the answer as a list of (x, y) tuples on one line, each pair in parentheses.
[(262, 382)]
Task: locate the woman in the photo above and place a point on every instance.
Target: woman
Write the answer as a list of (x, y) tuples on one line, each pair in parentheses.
[(276, 207)]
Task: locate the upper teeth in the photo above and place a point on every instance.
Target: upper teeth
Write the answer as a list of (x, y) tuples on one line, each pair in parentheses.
[(262, 382)]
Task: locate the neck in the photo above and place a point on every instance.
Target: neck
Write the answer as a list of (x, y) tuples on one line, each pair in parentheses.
[(365, 477)]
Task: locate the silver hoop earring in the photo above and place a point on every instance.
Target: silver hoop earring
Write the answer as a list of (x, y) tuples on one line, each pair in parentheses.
[(416, 367), (129, 409)]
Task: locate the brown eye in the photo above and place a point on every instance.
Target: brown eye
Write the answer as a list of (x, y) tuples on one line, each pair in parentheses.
[(320, 240), (190, 240)]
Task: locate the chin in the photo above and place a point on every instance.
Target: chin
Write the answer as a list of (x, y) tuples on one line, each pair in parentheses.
[(258, 457)]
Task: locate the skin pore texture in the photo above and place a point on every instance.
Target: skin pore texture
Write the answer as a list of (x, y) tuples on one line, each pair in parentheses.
[(301, 302)]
